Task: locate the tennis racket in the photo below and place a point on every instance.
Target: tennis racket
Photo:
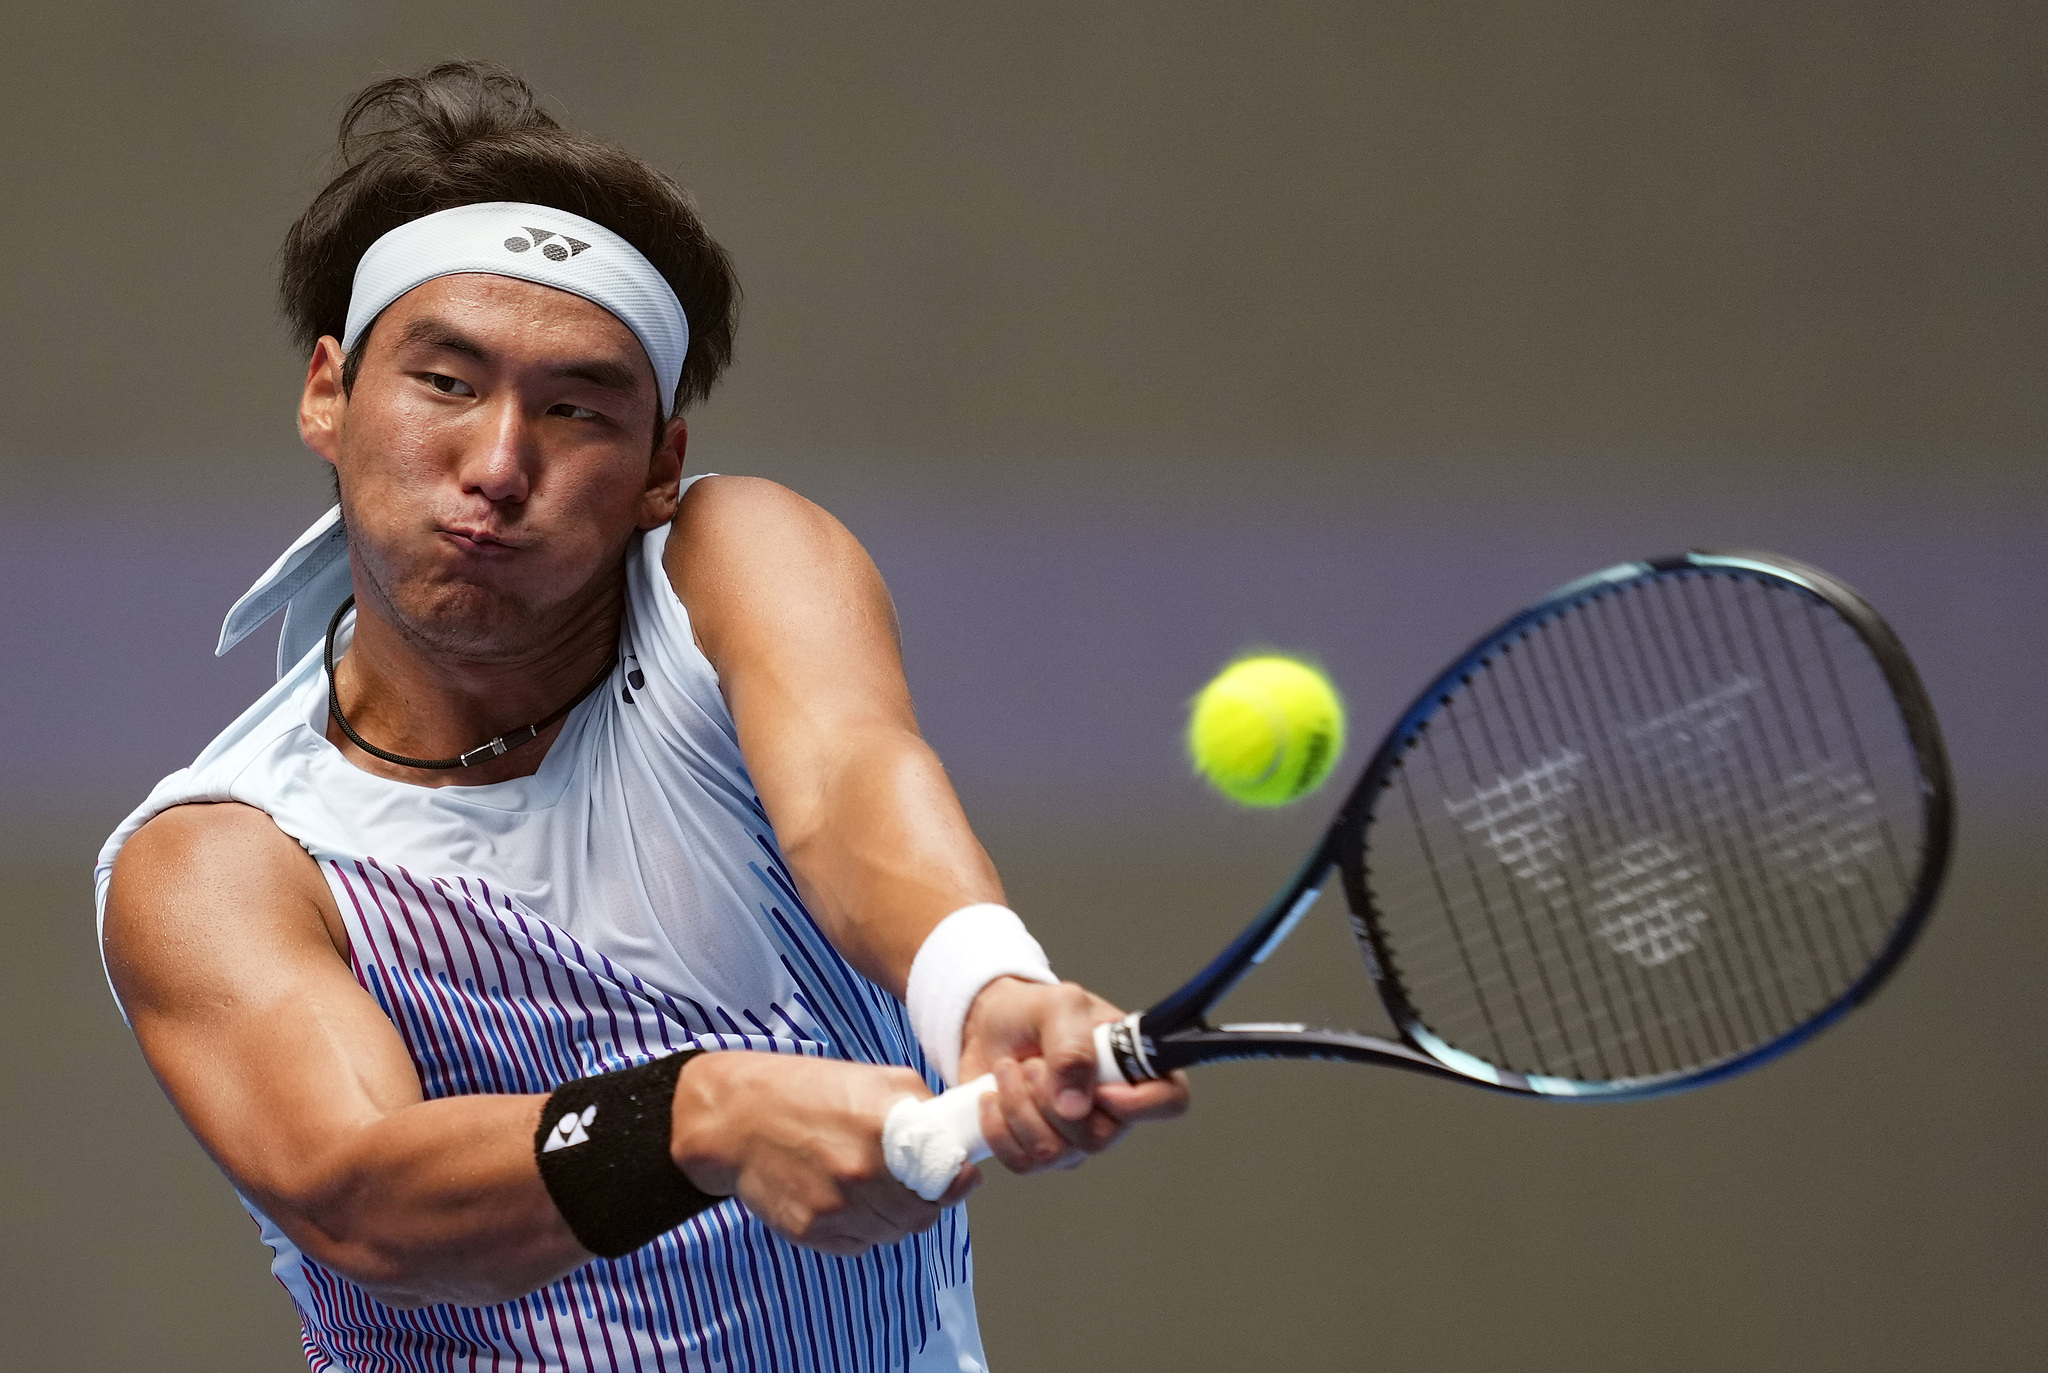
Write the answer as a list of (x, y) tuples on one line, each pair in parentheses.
[(1665, 824)]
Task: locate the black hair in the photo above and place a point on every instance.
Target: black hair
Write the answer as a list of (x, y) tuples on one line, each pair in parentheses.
[(466, 132)]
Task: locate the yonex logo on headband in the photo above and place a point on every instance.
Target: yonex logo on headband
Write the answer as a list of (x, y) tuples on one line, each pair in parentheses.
[(553, 252)]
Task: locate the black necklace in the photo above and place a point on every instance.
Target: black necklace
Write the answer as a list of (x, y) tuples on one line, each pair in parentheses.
[(503, 744)]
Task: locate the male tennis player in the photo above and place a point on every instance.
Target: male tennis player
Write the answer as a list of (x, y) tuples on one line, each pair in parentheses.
[(566, 883)]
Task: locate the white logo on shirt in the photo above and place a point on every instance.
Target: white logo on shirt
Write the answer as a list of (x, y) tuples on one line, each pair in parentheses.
[(570, 1129)]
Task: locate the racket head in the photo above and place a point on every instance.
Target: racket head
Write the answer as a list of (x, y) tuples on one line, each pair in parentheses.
[(1658, 828)]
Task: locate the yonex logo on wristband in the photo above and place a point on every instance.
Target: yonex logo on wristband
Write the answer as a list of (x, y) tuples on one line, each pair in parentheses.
[(618, 1192), (570, 1129), (553, 252)]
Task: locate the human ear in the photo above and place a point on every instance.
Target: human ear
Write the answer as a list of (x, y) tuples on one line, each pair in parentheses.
[(664, 476), (323, 402)]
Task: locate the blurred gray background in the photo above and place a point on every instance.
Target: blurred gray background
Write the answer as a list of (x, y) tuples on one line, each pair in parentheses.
[(1128, 336)]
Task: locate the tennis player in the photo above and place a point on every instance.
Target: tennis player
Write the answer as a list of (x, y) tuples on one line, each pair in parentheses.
[(575, 875)]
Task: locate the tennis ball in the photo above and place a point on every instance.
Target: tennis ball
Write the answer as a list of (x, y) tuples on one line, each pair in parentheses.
[(1267, 731)]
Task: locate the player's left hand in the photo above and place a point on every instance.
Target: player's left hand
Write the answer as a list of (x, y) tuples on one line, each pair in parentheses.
[(1048, 1111)]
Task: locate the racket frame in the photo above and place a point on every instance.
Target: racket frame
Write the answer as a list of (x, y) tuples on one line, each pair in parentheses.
[(1175, 1034)]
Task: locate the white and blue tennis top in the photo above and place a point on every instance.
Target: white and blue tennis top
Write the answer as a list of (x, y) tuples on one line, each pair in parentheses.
[(625, 901)]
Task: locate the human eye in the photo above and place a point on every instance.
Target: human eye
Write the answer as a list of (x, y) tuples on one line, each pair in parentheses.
[(449, 386), (575, 412)]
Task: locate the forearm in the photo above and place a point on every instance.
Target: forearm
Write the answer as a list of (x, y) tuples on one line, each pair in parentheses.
[(796, 1139), (444, 1201), (440, 1201), (882, 851)]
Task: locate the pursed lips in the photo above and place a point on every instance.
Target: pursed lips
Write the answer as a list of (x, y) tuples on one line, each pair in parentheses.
[(473, 540)]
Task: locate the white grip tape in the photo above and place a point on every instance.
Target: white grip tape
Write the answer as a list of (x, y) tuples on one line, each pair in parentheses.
[(926, 1143), (1106, 1069)]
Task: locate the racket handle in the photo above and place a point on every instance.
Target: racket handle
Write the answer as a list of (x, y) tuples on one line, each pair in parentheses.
[(927, 1142)]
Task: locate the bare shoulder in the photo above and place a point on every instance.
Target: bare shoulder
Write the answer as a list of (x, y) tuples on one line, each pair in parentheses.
[(748, 555), (197, 852), (209, 880), (728, 515)]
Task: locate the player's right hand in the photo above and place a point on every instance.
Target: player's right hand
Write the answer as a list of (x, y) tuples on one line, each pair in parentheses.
[(1048, 1110), (799, 1142)]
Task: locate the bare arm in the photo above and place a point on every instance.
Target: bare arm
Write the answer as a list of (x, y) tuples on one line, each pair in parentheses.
[(230, 959), (793, 615), (791, 611), (225, 957)]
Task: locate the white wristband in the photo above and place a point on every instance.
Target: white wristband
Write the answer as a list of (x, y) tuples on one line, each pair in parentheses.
[(965, 952)]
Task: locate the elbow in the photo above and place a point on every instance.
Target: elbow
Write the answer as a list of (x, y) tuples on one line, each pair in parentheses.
[(399, 1268), (386, 1282), (408, 1281), (387, 1271), (410, 1293), (331, 1226)]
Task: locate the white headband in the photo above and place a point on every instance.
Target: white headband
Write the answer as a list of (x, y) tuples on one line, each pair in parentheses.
[(533, 243)]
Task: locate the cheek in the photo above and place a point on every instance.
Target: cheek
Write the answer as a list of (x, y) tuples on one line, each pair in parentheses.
[(600, 482), (388, 451)]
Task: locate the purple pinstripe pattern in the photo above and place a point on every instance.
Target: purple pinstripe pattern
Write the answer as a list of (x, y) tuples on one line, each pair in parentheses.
[(490, 998)]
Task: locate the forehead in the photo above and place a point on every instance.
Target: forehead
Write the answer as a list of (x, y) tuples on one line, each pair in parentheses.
[(521, 320)]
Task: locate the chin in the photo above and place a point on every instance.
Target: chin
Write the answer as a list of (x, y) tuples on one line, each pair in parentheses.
[(468, 620)]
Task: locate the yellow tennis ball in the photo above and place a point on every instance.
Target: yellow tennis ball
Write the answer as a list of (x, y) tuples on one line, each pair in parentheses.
[(1267, 731)]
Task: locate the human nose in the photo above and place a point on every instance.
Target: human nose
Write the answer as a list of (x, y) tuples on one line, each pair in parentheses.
[(498, 464)]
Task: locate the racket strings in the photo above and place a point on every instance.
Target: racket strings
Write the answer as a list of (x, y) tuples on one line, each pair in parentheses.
[(1552, 716), (1783, 909), (1698, 794), (1664, 827), (1719, 793)]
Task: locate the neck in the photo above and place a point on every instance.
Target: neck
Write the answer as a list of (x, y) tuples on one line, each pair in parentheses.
[(406, 696)]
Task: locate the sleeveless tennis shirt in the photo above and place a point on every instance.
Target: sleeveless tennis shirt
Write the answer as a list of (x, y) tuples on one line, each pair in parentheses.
[(625, 901)]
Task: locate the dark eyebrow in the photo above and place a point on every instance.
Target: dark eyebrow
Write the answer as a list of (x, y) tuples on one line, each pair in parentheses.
[(432, 333), (605, 373)]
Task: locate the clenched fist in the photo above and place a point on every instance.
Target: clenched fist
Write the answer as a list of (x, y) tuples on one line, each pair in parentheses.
[(799, 1142), (1048, 1110)]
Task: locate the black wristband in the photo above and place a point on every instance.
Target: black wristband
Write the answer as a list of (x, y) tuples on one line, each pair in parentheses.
[(602, 1146)]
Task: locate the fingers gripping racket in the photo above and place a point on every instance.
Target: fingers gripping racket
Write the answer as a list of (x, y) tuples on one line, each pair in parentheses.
[(1658, 828)]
